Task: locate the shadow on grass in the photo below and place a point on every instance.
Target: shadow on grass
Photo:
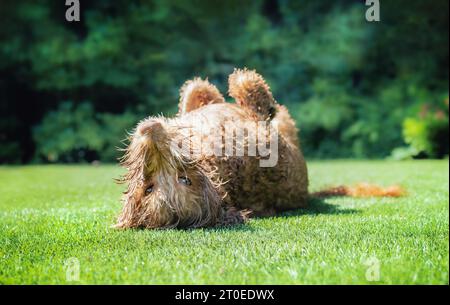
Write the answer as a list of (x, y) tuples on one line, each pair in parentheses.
[(316, 206), (244, 227)]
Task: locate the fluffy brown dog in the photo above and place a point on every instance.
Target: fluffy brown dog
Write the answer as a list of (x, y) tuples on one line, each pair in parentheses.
[(171, 186), (177, 178)]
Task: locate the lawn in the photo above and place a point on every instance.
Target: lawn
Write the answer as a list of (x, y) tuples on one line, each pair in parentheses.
[(52, 215)]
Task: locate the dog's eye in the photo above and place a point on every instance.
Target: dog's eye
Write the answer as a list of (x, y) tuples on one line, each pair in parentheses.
[(185, 180), (148, 190)]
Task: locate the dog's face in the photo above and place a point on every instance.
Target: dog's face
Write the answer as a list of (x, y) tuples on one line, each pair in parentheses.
[(165, 187)]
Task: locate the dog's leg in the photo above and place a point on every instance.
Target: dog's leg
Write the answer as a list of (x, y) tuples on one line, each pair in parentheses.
[(197, 93), (250, 90), (232, 216)]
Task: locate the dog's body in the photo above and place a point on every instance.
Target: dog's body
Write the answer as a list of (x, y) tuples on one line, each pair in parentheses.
[(168, 187), (243, 182)]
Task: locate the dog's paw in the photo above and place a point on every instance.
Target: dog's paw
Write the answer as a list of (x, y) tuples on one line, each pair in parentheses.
[(197, 93), (233, 216), (250, 90)]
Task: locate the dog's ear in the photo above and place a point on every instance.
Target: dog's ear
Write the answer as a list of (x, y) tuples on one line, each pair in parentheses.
[(250, 91), (128, 218), (197, 93)]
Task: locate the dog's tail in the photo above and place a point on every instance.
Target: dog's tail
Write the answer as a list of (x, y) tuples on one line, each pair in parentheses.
[(363, 190)]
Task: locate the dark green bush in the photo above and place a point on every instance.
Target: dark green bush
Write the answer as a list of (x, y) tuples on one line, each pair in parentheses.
[(75, 133), (349, 83)]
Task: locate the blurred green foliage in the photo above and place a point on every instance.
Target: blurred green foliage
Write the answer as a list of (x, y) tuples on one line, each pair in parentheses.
[(428, 132), (349, 83), (77, 134)]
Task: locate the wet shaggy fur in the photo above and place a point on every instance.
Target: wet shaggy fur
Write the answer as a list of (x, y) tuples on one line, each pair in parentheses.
[(169, 186)]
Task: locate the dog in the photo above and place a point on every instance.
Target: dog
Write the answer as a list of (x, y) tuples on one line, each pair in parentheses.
[(176, 180)]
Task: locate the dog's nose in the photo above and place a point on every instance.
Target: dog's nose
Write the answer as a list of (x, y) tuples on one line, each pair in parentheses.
[(150, 128)]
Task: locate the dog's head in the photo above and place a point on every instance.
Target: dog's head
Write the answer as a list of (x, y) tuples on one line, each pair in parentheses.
[(166, 187)]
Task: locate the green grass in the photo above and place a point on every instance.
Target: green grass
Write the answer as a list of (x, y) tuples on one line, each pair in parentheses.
[(49, 214)]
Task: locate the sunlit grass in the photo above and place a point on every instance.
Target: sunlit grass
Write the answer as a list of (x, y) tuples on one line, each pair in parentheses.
[(49, 214)]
